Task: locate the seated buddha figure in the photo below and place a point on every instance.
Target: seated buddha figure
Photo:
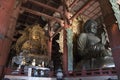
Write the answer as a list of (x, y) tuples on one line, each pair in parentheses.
[(89, 44)]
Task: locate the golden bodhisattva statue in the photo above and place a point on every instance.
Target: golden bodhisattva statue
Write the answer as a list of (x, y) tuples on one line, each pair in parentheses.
[(34, 44)]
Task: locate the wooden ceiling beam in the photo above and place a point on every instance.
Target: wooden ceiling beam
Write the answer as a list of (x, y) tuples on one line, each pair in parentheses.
[(90, 6), (45, 6), (95, 14), (22, 21), (73, 3), (85, 15), (29, 16), (42, 14), (56, 32), (94, 9), (79, 11)]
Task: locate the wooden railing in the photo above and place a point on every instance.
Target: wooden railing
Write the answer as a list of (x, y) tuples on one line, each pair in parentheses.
[(95, 72), (82, 73)]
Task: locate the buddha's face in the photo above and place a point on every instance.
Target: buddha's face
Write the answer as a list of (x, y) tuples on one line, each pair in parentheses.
[(36, 35), (93, 28)]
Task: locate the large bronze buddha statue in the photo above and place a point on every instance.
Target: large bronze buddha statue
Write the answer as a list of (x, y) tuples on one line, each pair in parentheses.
[(90, 46)]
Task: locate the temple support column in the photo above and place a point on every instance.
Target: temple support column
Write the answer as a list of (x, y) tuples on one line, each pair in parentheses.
[(8, 18), (50, 48), (113, 32), (70, 49), (65, 50), (67, 40), (114, 36), (65, 58)]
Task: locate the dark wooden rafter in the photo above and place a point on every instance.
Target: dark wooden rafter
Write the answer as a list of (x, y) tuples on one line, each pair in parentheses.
[(42, 14), (56, 32), (44, 9), (23, 20), (51, 26), (79, 11), (84, 15), (45, 6), (90, 6), (29, 16), (73, 3), (46, 16), (95, 14), (90, 12), (27, 20)]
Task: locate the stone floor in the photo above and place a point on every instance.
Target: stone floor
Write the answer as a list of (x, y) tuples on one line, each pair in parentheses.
[(71, 78)]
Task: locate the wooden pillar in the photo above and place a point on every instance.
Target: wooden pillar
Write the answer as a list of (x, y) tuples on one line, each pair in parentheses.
[(65, 55), (107, 12), (50, 30), (7, 27), (113, 32), (114, 36), (50, 48), (66, 17)]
